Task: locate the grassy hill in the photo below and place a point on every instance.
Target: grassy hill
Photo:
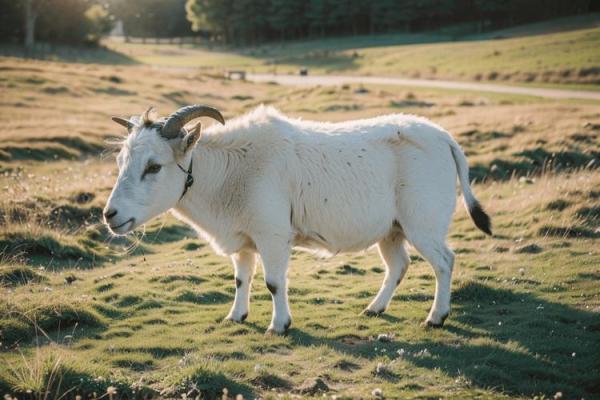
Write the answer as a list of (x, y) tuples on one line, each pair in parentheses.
[(84, 313), (550, 52)]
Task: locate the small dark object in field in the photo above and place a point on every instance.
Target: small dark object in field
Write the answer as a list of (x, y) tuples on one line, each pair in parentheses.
[(241, 97), (385, 338), (313, 386), (303, 72), (267, 380), (348, 269), (55, 89), (361, 90), (84, 197), (113, 79), (528, 249), (558, 205), (526, 180), (410, 103), (345, 365), (70, 279), (592, 126), (192, 246), (582, 137)]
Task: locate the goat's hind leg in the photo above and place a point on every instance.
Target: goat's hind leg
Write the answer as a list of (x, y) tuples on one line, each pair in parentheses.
[(393, 253), (244, 263), (441, 258)]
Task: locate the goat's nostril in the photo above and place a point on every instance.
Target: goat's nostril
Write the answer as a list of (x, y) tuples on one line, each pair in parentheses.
[(108, 214)]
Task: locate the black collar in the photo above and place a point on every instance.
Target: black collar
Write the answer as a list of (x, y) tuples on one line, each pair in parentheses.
[(189, 180)]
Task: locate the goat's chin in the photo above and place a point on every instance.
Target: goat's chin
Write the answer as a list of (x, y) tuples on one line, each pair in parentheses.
[(123, 228)]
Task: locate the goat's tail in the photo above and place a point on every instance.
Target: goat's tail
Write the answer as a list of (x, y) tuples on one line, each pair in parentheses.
[(478, 215)]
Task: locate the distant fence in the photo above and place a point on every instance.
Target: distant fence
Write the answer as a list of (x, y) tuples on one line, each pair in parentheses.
[(156, 40)]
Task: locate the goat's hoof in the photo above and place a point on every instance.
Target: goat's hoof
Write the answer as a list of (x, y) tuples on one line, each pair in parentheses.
[(238, 320), (279, 332), (435, 325), (370, 313), (274, 332)]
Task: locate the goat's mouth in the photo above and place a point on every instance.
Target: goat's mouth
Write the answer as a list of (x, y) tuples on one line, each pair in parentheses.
[(124, 227)]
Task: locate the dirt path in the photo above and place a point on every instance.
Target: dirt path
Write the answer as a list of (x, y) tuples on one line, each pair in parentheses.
[(324, 80)]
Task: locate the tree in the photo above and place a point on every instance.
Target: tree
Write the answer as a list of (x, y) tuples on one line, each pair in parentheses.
[(11, 21), (283, 17), (488, 10), (99, 22), (407, 12), (249, 21), (211, 15), (316, 16), (62, 21), (32, 10), (152, 18)]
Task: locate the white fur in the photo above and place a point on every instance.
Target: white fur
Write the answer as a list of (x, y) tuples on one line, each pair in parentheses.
[(265, 183)]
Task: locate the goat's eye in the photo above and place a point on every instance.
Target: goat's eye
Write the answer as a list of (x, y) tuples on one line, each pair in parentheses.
[(152, 169)]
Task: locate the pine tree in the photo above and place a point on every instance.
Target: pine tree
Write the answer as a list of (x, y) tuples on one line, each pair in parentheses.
[(316, 16)]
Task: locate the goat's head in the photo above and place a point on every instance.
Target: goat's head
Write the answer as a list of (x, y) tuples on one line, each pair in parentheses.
[(153, 161)]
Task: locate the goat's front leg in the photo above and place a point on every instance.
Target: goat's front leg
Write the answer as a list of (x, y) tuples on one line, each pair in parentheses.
[(275, 257), (244, 263)]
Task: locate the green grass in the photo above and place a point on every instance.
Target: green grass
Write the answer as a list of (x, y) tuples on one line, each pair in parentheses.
[(16, 274), (144, 316), (524, 322), (555, 58)]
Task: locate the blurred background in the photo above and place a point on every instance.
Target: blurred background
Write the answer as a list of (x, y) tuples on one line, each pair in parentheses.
[(251, 22), (325, 35), (84, 313)]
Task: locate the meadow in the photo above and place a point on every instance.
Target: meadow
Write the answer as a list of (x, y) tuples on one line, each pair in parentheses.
[(84, 313), (562, 52)]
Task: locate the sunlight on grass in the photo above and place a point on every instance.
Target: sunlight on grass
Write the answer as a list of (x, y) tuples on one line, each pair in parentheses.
[(82, 312)]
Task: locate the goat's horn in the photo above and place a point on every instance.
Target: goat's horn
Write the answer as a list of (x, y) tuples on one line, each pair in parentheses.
[(179, 118), (124, 122)]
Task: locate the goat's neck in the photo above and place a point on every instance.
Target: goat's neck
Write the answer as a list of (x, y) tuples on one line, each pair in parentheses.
[(201, 206)]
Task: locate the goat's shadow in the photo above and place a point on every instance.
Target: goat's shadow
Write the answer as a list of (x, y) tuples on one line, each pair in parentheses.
[(531, 346)]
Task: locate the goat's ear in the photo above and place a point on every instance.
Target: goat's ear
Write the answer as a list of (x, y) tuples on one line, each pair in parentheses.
[(190, 138), (124, 122)]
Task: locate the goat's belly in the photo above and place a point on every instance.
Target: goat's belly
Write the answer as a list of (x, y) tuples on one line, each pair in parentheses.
[(345, 234), (319, 244)]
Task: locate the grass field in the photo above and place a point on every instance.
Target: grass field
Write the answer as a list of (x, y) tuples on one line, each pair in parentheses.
[(84, 313), (554, 52)]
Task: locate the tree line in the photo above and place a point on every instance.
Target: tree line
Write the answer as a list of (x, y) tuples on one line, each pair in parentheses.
[(53, 21), (243, 22), (83, 22), (249, 22)]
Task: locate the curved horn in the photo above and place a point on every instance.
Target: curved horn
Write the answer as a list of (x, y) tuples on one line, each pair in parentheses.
[(124, 122), (179, 118)]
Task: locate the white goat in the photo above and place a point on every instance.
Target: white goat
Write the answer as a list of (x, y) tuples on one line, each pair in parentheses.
[(265, 183)]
